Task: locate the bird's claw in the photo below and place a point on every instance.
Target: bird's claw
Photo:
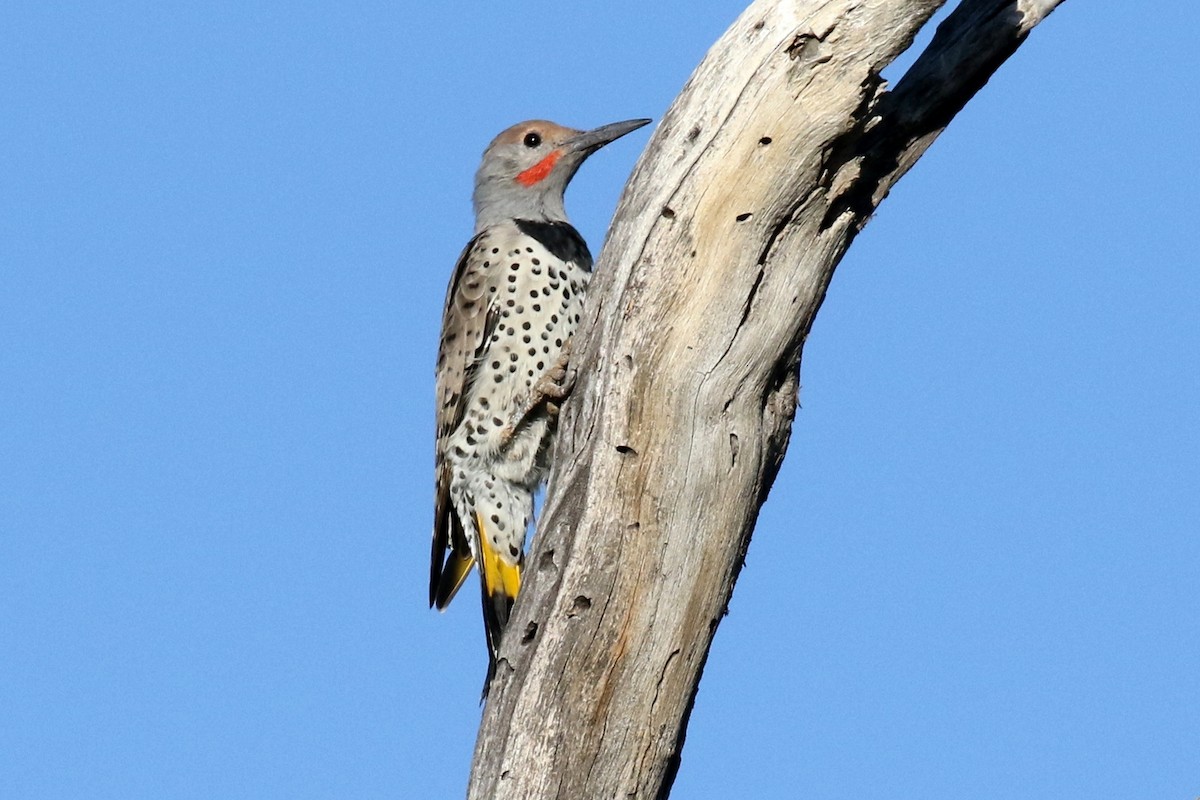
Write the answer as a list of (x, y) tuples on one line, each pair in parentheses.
[(554, 385)]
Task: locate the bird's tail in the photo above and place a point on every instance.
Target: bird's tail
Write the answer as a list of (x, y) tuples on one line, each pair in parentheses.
[(450, 578), (501, 579)]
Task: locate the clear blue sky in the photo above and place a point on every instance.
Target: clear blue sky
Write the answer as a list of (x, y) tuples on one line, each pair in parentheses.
[(225, 234)]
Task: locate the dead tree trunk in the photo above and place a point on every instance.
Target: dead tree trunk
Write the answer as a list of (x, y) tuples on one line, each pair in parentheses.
[(760, 175)]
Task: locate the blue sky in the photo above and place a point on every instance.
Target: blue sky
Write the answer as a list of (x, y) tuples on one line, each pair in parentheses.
[(225, 232)]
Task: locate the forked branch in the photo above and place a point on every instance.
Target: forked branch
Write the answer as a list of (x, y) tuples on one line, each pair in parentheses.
[(767, 165)]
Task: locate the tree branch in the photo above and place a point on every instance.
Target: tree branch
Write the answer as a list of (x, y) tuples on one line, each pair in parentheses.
[(770, 161)]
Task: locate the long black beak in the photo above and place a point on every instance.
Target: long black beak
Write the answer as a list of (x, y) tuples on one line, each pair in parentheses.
[(593, 140)]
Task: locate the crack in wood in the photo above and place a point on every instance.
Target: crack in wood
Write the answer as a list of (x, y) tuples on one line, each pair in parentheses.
[(590, 678)]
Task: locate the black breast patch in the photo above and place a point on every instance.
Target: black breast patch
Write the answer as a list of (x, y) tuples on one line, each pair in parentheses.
[(562, 240)]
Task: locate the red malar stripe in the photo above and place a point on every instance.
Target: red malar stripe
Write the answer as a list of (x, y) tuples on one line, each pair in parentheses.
[(539, 170)]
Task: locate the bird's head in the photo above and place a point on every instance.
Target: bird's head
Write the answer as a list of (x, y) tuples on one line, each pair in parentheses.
[(526, 169)]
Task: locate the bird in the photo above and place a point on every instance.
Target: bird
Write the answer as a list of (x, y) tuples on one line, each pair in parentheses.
[(513, 302)]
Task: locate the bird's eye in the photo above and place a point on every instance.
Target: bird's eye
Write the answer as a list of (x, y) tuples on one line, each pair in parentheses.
[(533, 139)]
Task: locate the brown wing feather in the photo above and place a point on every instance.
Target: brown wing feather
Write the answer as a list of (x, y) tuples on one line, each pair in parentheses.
[(466, 325)]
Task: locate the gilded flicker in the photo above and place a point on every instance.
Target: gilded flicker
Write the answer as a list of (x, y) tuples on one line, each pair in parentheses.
[(513, 302)]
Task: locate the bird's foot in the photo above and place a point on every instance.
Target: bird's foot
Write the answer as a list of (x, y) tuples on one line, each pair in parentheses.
[(554, 385)]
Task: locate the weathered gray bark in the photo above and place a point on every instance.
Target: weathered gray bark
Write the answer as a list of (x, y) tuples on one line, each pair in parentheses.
[(768, 164)]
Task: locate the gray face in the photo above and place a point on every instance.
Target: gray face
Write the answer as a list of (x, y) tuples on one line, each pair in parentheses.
[(523, 173), (526, 169), (524, 146)]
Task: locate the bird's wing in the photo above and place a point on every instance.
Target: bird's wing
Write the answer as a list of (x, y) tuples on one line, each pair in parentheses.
[(467, 324)]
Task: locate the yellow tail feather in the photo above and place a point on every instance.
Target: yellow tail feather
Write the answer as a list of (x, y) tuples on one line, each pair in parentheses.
[(453, 574), (499, 577)]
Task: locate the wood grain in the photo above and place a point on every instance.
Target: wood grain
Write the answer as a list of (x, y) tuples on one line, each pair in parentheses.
[(758, 178)]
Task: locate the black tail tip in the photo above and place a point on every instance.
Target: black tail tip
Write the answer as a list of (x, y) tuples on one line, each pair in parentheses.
[(487, 681)]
